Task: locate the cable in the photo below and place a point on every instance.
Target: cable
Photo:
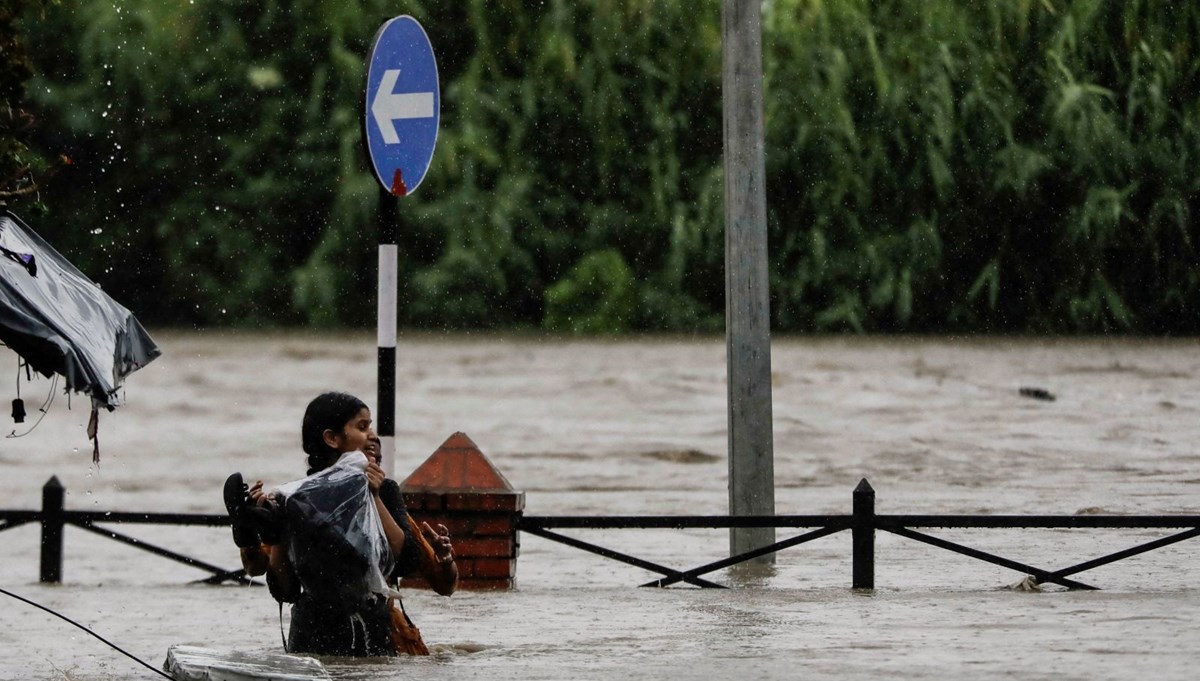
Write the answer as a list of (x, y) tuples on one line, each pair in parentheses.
[(281, 628), (102, 639), (44, 409)]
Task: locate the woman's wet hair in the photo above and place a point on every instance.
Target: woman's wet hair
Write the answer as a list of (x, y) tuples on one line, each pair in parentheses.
[(328, 411)]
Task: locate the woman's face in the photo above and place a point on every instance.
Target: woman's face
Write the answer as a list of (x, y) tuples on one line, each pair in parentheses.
[(358, 436)]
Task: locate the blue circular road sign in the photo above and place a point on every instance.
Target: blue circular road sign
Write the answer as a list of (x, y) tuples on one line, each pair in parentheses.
[(403, 105)]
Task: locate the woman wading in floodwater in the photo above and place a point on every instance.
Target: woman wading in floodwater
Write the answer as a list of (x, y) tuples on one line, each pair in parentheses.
[(311, 567)]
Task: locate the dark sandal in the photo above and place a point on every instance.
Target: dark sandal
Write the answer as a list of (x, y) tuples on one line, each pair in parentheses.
[(237, 503)]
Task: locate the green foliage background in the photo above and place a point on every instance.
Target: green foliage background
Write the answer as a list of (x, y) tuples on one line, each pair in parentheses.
[(933, 165), (20, 165)]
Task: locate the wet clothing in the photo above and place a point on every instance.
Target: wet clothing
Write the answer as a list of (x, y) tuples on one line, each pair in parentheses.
[(325, 628), (325, 622)]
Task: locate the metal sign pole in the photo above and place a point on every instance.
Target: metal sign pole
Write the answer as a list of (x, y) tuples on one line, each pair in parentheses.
[(386, 333), (747, 303), (401, 114)]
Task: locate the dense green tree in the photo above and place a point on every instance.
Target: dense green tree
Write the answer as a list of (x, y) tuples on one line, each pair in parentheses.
[(933, 165), (1002, 166), (21, 167)]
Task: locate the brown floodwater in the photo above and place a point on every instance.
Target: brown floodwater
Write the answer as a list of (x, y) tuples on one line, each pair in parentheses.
[(638, 427)]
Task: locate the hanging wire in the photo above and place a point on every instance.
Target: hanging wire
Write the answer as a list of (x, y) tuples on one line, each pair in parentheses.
[(45, 408), (98, 636)]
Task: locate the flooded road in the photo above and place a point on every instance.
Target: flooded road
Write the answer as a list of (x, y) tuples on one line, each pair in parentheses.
[(638, 427)]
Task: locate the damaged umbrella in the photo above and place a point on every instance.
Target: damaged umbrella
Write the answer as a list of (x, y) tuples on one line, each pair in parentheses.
[(61, 322)]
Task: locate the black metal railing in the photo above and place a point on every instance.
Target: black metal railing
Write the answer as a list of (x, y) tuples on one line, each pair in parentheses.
[(54, 517), (863, 523)]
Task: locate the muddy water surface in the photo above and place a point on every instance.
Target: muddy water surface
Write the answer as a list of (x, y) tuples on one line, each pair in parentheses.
[(637, 427)]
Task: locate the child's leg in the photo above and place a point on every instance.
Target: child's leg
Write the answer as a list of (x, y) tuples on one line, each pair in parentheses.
[(255, 560)]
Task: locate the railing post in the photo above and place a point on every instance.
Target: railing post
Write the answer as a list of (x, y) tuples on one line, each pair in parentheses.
[(864, 536), (457, 486), (52, 530)]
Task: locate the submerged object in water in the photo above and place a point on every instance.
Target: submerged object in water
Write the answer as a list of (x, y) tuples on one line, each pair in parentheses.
[(1037, 394), (193, 663)]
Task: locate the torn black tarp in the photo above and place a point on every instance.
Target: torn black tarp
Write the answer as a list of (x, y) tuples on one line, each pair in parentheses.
[(61, 322)]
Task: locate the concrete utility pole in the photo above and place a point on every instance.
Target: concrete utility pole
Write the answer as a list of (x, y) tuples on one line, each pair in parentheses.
[(747, 305)]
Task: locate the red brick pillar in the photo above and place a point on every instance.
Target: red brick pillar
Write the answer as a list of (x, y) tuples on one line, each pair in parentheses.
[(458, 487)]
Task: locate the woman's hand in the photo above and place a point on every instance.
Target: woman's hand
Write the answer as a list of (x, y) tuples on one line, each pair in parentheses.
[(375, 477), (260, 498), (256, 494), (440, 541)]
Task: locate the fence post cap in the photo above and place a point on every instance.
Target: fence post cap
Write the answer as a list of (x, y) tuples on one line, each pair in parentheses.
[(458, 465), (864, 487), (53, 483)]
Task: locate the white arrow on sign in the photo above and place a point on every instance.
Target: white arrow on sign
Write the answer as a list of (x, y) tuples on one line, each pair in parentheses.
[(389, 107)]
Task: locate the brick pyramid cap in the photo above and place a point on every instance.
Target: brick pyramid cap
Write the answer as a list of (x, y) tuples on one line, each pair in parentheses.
[(457, 465)]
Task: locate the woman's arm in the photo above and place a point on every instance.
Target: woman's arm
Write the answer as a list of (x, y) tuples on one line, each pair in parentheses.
[(280, 578), (395, 535), (391, 529), (425, 551)]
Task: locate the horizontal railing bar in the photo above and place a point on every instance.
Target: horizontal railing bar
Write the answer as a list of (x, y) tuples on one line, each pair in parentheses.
[(882, 520), (211, 520), (885, 521), (839, 522)]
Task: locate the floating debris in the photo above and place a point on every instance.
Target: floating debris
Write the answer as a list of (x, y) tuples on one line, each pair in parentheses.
[(1030, 584), (192, 663), (1038, 394), (682, 456)]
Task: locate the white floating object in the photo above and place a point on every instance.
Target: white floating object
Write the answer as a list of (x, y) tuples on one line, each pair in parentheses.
[(192, 663)]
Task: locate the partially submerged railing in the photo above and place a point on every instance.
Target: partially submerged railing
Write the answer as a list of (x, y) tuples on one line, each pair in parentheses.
[(863, 523), (538, 526), (54, 517)]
